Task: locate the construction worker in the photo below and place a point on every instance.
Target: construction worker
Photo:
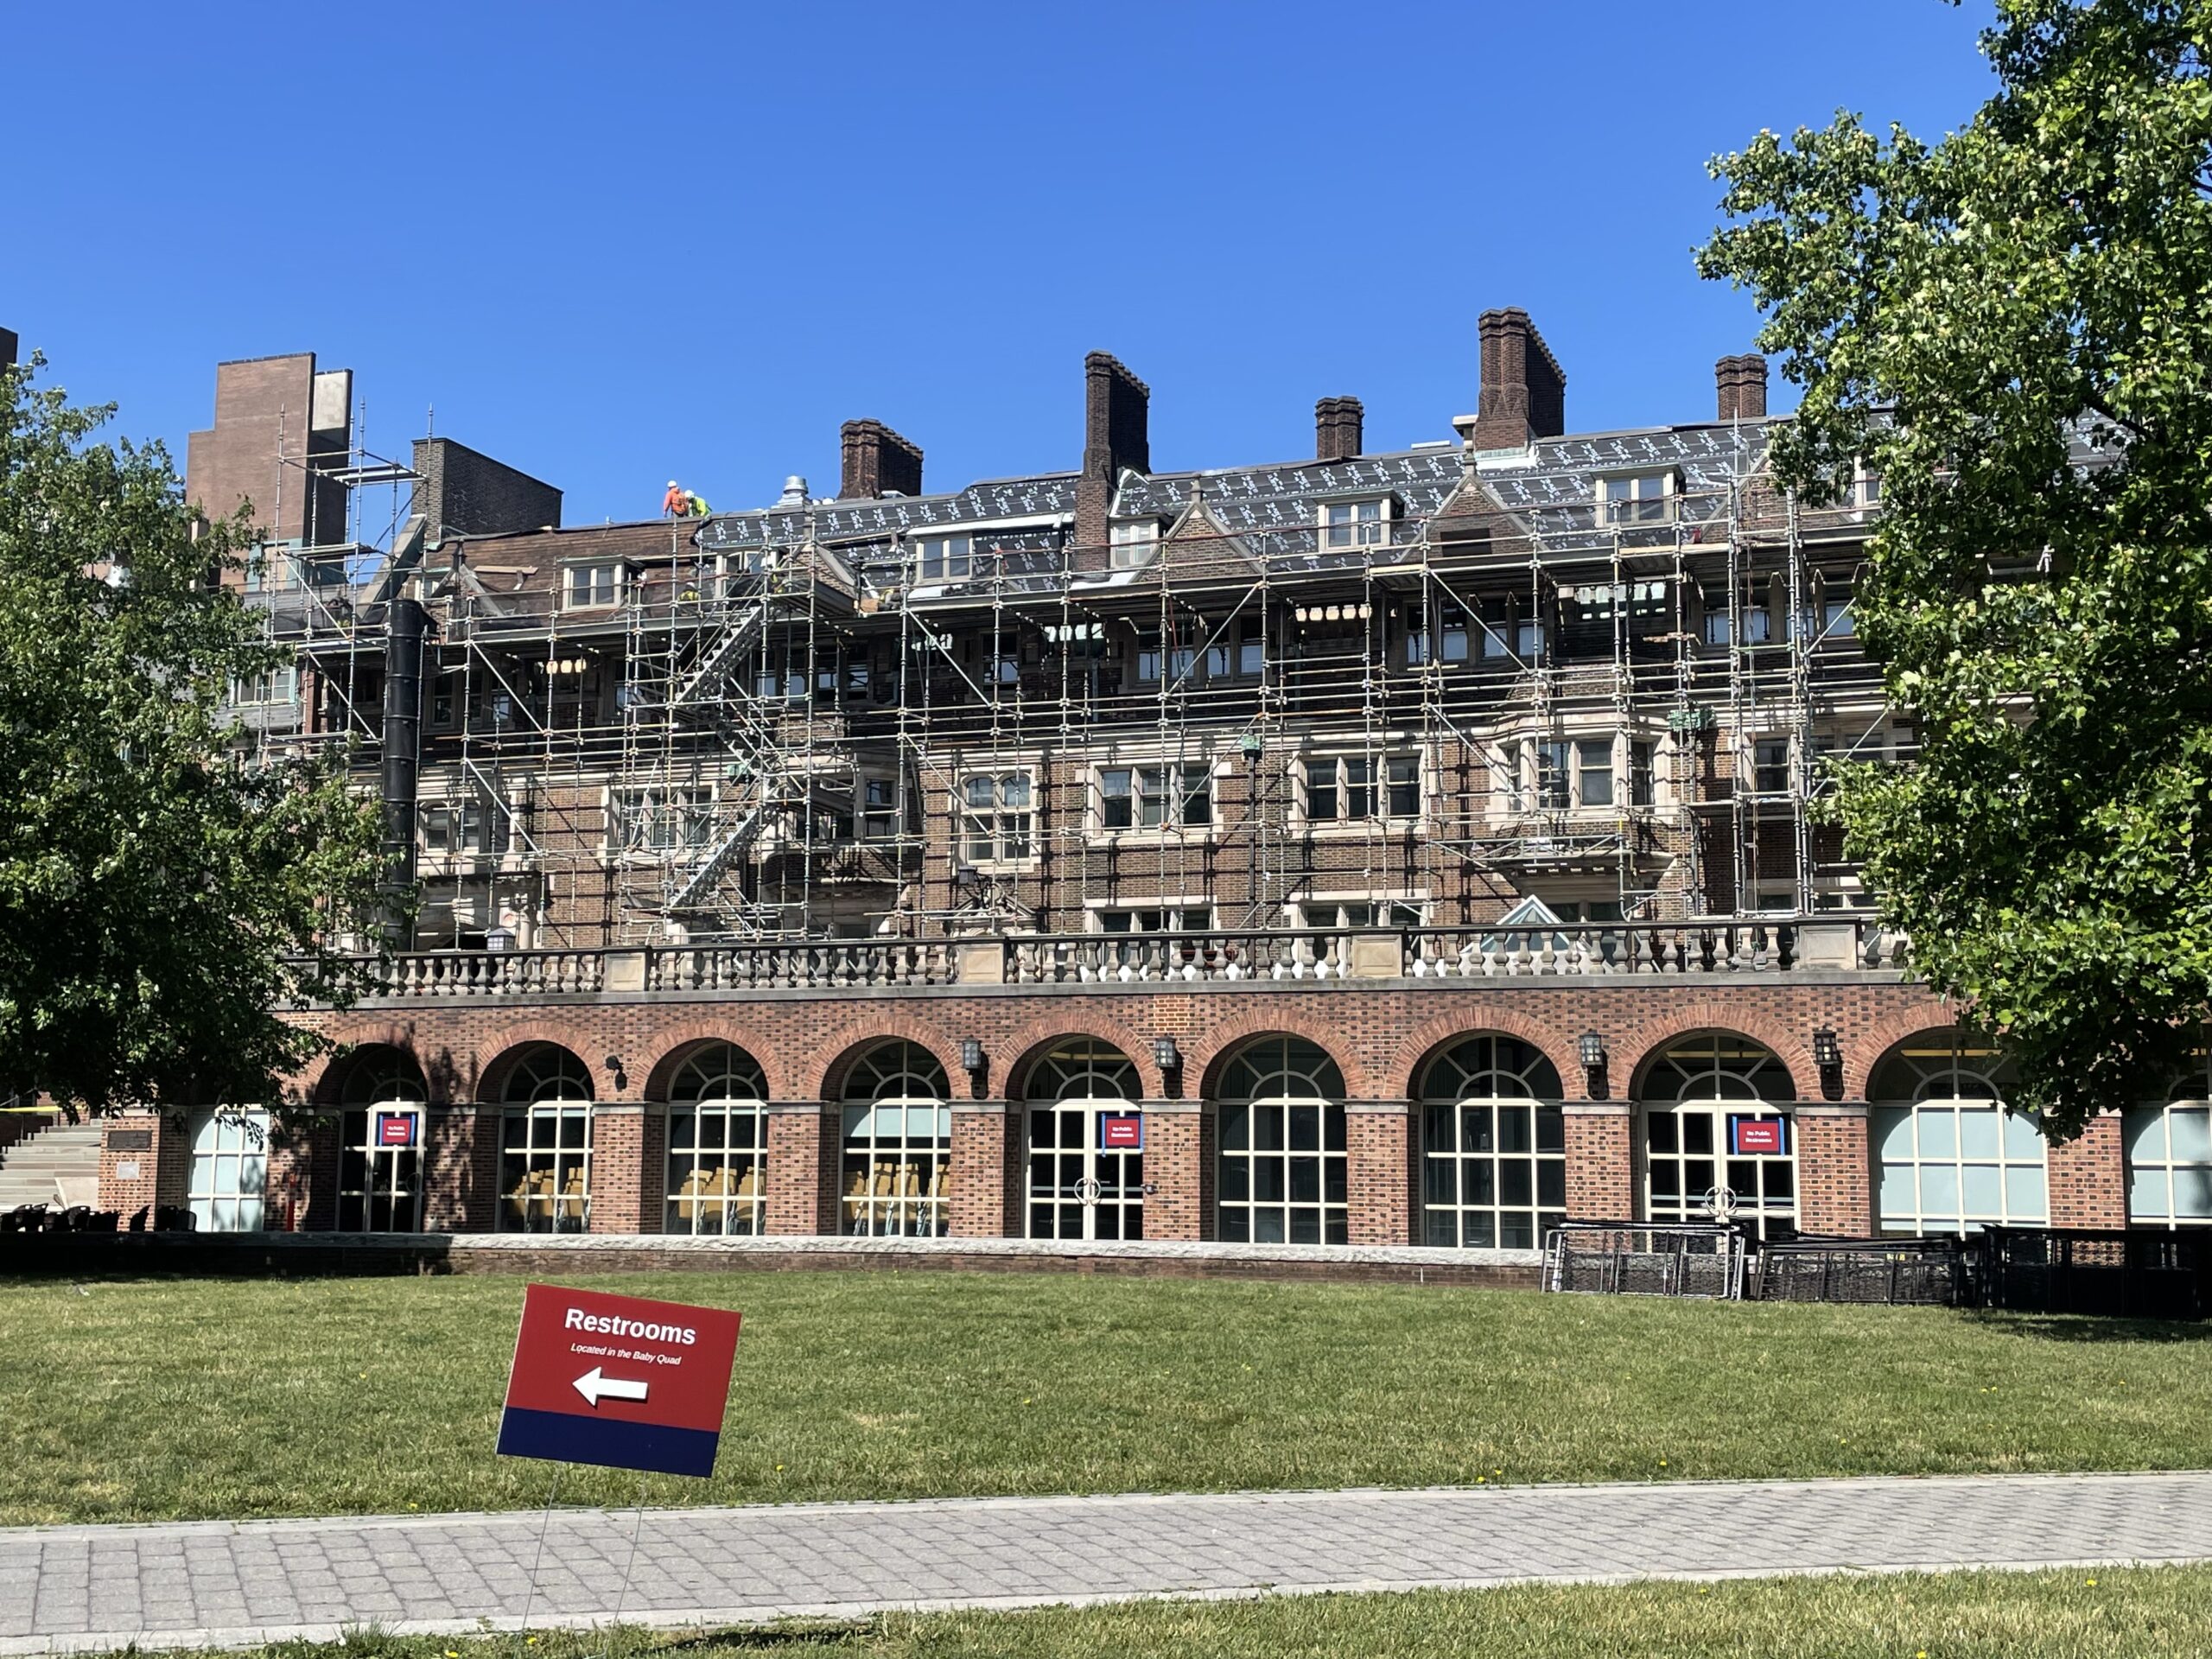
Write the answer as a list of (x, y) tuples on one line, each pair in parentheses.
[(698, 506), (676, 503)]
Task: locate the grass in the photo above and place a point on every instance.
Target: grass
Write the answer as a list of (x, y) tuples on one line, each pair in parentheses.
[(164, 1400), (2109, 1614)]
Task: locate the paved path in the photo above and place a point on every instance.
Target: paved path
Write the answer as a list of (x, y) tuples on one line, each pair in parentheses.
[(227, 1583)]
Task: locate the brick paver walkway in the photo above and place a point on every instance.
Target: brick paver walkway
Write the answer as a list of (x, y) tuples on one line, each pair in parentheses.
[(222, 1583)]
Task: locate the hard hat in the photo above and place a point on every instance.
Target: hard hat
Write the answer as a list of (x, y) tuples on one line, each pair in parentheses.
[(672, 483)]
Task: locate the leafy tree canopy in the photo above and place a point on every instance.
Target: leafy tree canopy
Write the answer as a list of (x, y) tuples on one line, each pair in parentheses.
[(2013, 327), (164, 891)]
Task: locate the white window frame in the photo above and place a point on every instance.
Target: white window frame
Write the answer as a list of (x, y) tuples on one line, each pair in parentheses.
[(1285, 1075), (1002, 831), (2152, 1166), (1353, 912), (1182, 915), (941, 558), (579, 584), (915, 1145), (650, 820), (722, 1090), (1624, 501), (1508, 1085), (1164, 787), (1362, 521), (1132, 544), (1327, 779), (1566, 757), (268, 688), (228, 1186), (1917, 1143)]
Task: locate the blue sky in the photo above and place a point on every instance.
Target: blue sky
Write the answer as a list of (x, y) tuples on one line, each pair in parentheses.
[(613, 245)]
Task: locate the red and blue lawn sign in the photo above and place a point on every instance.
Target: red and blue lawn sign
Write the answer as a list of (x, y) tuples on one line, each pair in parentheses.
[(1121, 1132), (1749, 1135), (396, 1128), (618, 1381)]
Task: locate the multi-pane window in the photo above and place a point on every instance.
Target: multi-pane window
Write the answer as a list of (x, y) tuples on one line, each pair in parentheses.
[(1574, 772), (272, 686), (589, 586), (1593, 771), (1154, 797), (1166, 919), (1493, 1146), (1641, 772), (1949, 1157), (475, 825), (1360, 912), (1642, 499), (660, 819), (1771, 765), (545, 1143), (879, 808), (1438, 636), (1354, 524), (380, 1143), (2169, 1151), (1283, 1169), (1251, 646), (1344, 789), (718, 1143), (1512, 627), (897, 1142), (230, 1170), (997, 821), (1083, 1182), (944, 558), (1715, 1139), (1133, 544)]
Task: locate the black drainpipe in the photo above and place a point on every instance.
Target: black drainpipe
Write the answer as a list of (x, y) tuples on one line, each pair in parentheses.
[(403, 621)]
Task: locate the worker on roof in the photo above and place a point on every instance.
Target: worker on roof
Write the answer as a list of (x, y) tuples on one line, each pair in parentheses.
[(676, 503), (698, 506)]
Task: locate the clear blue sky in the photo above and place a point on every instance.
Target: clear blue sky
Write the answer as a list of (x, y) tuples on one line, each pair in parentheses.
[(613, 245)]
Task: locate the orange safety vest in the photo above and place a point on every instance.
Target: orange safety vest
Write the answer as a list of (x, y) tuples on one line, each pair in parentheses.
[(675, 503)]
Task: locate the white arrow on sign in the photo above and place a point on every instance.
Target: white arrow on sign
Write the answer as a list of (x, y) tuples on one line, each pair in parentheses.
[(596, 1388)]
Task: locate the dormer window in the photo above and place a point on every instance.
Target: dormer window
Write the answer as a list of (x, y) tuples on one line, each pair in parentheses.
[(1134, 544), (592, 586), (944, 558), (1355, 524), (1636, 499)]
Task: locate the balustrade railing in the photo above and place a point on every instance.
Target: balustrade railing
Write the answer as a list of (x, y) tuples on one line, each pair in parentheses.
[(1728, 946)]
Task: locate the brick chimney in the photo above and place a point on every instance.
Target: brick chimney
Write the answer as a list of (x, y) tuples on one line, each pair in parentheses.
[(1741, 384), (877, 459), (1525, 390), (7, 348), (1338, 424), (1117, 408)]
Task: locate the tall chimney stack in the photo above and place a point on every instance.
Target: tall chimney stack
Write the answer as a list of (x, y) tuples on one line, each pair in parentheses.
[(1338, 429), (1525, 390), (877, 460), (7, 348), (1740, 383), (1117, 413)]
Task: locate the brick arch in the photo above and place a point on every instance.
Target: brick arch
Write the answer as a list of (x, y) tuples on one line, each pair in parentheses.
[(497, 1052), (842, 1044), (679, 1040), (442, 1071), (1431, 1037), (1225, 1039), (324, 1090), (1029, 1044), (1643, 1042), (1868, 1049)]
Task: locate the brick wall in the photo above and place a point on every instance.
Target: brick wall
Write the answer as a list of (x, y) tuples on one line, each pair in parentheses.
[(1379, 1172), (1835, 1192), (1176, 1166), (1600, 1163), (2088, 1178), (977, 1180)]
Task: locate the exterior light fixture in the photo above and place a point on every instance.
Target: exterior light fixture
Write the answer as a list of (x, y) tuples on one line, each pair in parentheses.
[(1827, 1053), (971, 1055), (1164, 1055), (1593, 1051)]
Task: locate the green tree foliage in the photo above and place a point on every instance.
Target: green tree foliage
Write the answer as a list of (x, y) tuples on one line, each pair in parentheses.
[(163, 892), (2013, 327)]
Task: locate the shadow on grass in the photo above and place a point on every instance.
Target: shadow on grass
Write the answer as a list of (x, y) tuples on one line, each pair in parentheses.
[(2086, 1327)]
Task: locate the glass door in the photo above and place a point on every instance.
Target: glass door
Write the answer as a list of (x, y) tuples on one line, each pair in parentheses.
[(1079, 1186), (380, 1169)]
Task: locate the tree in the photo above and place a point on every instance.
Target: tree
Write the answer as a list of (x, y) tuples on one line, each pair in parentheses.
[(2012, 327), (165, 892)]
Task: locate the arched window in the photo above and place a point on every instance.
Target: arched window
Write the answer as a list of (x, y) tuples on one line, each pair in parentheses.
[(718, 1143), (897, 1125), (381, 1100), (1715, 1134), (230, 1169), (1950, 1158), (1282, 1146), (1493, 1146), (545, 1142), (2169, 1153), (1086, 1181)]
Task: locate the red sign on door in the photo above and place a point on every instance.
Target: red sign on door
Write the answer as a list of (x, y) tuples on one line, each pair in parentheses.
[(1121, 1131), (1748, 1136), (619, 1381), (395, 1128)]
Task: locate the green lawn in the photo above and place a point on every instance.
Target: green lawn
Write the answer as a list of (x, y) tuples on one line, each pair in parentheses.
[(2128, 1613), (156, 1400)]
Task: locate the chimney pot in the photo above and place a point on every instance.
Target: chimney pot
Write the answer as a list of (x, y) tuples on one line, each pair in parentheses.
[(1338, 429), (877, 461), (1525, 390)]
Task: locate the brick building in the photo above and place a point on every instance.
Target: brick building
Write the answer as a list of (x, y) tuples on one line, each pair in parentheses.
[(1411, 847)]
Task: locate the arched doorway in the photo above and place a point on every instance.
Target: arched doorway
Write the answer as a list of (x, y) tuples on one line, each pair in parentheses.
[(381, 1098), (1493, 1146), (897, 1142), (1282, 1175), (1717, 1134), (1083, 1095), (718, 1143), (1948, 1157), (545, 1142), (2168, 1154)]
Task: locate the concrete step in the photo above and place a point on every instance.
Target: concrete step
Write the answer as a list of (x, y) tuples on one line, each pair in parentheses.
[(29, 1169)]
